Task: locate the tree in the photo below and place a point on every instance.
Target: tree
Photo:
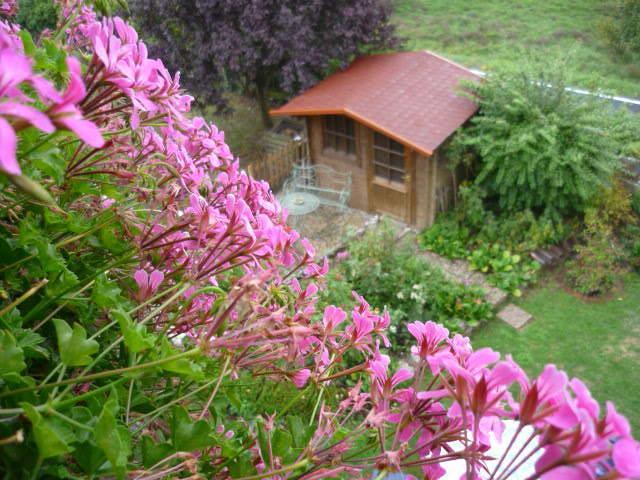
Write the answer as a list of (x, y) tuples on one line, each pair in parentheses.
[(541, 147), (261, 44)]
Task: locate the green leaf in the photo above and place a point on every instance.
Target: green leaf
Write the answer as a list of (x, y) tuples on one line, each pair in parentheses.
[(189, 435), (113, 439), (89, 457), (182, 366), (75, 350), (105, 292), (30, 342), (281, 442), (136, 336), (153, 452), (11, 355), (27, 43), (300, 432), (51, 439)]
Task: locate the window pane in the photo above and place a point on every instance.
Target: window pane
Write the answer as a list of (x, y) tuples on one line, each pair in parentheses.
[(382, 172), (397, 161), (351, 146), (397, 147), (381, 156), (397, 176)]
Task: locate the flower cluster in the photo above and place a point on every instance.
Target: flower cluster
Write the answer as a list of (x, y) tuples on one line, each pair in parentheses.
[(19, 111)]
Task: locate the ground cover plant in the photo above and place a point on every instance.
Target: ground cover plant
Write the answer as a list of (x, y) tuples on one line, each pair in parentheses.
[(496, 245), (147, 282), (493, 34)]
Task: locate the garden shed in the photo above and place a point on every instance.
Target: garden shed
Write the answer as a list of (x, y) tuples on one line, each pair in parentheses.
[(385, 119)]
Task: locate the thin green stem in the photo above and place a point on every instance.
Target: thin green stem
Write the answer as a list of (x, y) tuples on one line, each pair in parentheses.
[(24, 296), (105, 374), (295, 466), (154, 413), (70, 421), (215, 389), (36, 469)]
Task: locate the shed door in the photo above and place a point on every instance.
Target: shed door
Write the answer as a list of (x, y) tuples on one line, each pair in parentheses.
[(391, 178)]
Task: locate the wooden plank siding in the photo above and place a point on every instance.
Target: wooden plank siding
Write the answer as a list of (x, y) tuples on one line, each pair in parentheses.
[(430, 185)]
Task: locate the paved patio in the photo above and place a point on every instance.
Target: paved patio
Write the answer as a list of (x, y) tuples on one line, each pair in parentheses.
[(329, 228)]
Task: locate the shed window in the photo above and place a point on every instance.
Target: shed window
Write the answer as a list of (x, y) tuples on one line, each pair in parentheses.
[(388, 159), (339, 134)]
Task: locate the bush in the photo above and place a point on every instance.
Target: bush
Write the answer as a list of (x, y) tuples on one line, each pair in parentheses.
[(635, 202), (621, 30), (539, 146), (498, 246), (391, 276), (594, 269)]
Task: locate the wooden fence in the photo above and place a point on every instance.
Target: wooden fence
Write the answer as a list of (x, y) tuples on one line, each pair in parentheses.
[(276, 166)]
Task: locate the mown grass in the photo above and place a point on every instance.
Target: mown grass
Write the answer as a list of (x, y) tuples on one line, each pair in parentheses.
[(488, 33), (598, 342)]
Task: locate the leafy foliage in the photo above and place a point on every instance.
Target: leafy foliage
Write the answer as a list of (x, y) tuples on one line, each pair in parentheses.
[(594, 269), (539, 146), (497, 245), (37, 15), (393, 277), (159, 317), (621, 30), (261, 45)]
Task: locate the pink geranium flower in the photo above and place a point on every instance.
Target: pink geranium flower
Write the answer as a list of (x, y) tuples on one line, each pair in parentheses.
[(66, 113), (301, 377), (147, 284), (626, 457)]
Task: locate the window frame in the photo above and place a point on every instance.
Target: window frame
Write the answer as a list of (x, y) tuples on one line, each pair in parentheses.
[(388, 149), (333, 136)]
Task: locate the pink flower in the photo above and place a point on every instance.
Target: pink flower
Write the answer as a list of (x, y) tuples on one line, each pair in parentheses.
[(15, 114), (147, 284), (66, 113), (301, 377), (429, 336), (8, 8), (626, 457)]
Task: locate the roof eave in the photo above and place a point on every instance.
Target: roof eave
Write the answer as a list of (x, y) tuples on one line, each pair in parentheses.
[(282, 112)]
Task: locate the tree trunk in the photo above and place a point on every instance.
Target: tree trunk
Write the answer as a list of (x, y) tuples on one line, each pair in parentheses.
[(261, 96)]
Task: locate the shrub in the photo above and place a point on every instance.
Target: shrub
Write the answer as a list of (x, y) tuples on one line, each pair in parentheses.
[(635, 202), (621, 30), (593, 271), (539, 146), (614, 206)]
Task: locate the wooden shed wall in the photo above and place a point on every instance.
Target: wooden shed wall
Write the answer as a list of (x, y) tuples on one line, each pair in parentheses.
[(433, 185), (356, 164)]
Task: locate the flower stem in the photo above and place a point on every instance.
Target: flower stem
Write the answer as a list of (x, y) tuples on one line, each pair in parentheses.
[(105, 374), (295, 466)]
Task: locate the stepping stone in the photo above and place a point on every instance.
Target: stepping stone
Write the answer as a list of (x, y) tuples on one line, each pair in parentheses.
[(495, 296), (514, 316)]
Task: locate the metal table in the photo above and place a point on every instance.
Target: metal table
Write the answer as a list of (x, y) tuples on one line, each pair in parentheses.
[(299, 203)]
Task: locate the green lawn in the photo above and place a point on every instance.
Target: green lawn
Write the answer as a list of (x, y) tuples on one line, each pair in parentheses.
[(598, 342), (487, 33)]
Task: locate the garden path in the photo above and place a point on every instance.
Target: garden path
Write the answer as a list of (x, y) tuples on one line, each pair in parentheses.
[(460, 271)]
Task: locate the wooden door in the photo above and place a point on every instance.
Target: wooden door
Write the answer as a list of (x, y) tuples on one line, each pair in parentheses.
[(391, 178)]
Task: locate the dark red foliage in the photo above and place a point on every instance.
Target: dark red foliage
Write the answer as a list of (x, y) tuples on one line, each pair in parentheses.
[(261, 44)]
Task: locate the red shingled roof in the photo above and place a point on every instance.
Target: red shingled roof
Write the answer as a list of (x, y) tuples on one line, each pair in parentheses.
[(412, 97)]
